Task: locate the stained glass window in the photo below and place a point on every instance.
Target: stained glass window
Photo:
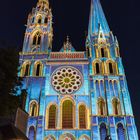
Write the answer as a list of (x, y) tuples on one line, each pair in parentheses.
[(52, 117), (67, 114), (82, 117)]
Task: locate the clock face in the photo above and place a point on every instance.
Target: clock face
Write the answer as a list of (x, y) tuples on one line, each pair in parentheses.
[(67, 80)]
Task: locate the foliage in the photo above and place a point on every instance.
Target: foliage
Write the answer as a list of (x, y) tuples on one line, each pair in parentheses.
[(10, 83)]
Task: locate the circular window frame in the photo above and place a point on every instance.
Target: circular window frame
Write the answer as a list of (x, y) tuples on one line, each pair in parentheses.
[(68, 90)]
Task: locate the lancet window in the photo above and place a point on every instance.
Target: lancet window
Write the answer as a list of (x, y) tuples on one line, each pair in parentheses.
[(97, 65), (67, 114), (101, 107), (116, 106), (33, 109), (25, 71), (82, 117), (121, 132), (103, 131), (97, 68), (37, 39), (112, 67), (104, 52), (52, 117), (111, 70), (38, 69)]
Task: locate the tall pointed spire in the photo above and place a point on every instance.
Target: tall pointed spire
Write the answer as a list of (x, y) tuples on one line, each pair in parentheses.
[(97, 19)]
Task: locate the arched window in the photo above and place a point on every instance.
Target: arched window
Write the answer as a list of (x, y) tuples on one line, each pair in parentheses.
[(102, 52), (31, 134), (38, 69), (39, 20), (27, 70), (33, 109), (52, 117), (101, 106), (46, 20), (37, 39), (121, 132), (97, 67), (103, 131), (67, 114), (82, 117), (116, 106), (111, 70)]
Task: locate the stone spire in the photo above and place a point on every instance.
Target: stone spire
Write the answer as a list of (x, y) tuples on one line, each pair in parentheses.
[(97, 19)]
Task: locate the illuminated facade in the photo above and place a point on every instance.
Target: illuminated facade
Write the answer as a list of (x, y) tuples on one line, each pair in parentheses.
[(75, 95)]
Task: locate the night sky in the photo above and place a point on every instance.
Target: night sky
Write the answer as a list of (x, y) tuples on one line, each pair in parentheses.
[(70, 17)]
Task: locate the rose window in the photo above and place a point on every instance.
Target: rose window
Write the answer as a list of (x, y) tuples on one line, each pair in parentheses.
[(66, 80)]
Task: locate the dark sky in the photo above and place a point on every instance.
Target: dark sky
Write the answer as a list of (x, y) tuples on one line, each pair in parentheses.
[(70, 17)]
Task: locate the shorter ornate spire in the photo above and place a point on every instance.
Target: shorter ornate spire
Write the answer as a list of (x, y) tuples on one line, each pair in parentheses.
[(67, 45)]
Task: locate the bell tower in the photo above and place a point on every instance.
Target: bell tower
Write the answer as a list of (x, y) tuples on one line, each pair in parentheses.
[(111, 104), (39, 31)]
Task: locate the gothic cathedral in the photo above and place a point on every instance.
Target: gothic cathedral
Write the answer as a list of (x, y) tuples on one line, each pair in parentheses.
[(73, 95)]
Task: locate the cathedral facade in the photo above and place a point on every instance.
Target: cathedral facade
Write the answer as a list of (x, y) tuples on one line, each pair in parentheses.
[(73, 95)]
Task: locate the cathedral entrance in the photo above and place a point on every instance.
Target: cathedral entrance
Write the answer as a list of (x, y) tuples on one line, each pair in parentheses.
[(67, 136)]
